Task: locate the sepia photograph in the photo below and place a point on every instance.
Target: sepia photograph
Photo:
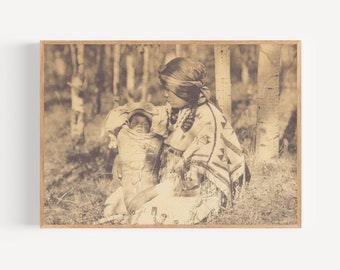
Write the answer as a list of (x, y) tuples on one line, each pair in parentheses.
[(170, 134)]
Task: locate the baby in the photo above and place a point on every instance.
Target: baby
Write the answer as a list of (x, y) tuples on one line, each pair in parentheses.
[(140, 123), (138, 141)]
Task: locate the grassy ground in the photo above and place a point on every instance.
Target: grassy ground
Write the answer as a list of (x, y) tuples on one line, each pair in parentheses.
[(76, 186), (270, 198)]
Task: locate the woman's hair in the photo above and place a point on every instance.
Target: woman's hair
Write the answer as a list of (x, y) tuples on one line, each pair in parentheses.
[(184, 77)]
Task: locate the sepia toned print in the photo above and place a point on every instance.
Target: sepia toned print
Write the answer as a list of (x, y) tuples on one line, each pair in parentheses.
[(170, 134)]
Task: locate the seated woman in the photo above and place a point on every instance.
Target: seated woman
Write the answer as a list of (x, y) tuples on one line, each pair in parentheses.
[(201, 163)]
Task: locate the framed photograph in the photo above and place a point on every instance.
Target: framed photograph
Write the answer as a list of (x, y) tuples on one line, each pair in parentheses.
[(179, 134)]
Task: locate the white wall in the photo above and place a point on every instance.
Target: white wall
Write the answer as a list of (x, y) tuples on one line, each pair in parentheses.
[(24, 245)]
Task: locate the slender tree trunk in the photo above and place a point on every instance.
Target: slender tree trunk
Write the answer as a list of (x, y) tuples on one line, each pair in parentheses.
[(99, 83), (130, 77), (194, 51), (116, 74), (244, 74), (77, 97), (49, 66), (267, 130), (179, 50), (108, 68), (74, 60), (222, 78), (145, 73), (59, 69), (80, 59), (169, 53)]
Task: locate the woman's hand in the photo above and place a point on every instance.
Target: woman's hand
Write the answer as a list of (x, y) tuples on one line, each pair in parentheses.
[(191, 183)]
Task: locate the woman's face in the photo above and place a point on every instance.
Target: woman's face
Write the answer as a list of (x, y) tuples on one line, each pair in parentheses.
[(173, 100)]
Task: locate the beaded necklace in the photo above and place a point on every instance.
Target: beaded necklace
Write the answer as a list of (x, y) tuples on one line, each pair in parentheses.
[(182, 115)]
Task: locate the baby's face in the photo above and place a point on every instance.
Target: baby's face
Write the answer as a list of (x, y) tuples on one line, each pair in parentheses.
[(140, 124)]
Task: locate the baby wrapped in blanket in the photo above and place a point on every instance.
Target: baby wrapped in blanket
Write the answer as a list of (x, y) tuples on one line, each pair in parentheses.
[(136, 130)]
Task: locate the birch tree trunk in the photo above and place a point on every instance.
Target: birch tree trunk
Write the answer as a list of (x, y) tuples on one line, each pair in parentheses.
[(267, 130), (130, 77), (80, 59), (145, 73), (74, 60), (179, 50), (194, 51), (169, 53), (96, 104), (244, 74), (116, 74), (222, 78), (77, 97)]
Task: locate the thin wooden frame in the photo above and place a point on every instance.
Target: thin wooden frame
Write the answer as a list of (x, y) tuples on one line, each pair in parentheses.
[(43, 70)]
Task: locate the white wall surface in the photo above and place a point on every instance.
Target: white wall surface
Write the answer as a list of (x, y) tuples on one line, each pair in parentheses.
[(23, 245)]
